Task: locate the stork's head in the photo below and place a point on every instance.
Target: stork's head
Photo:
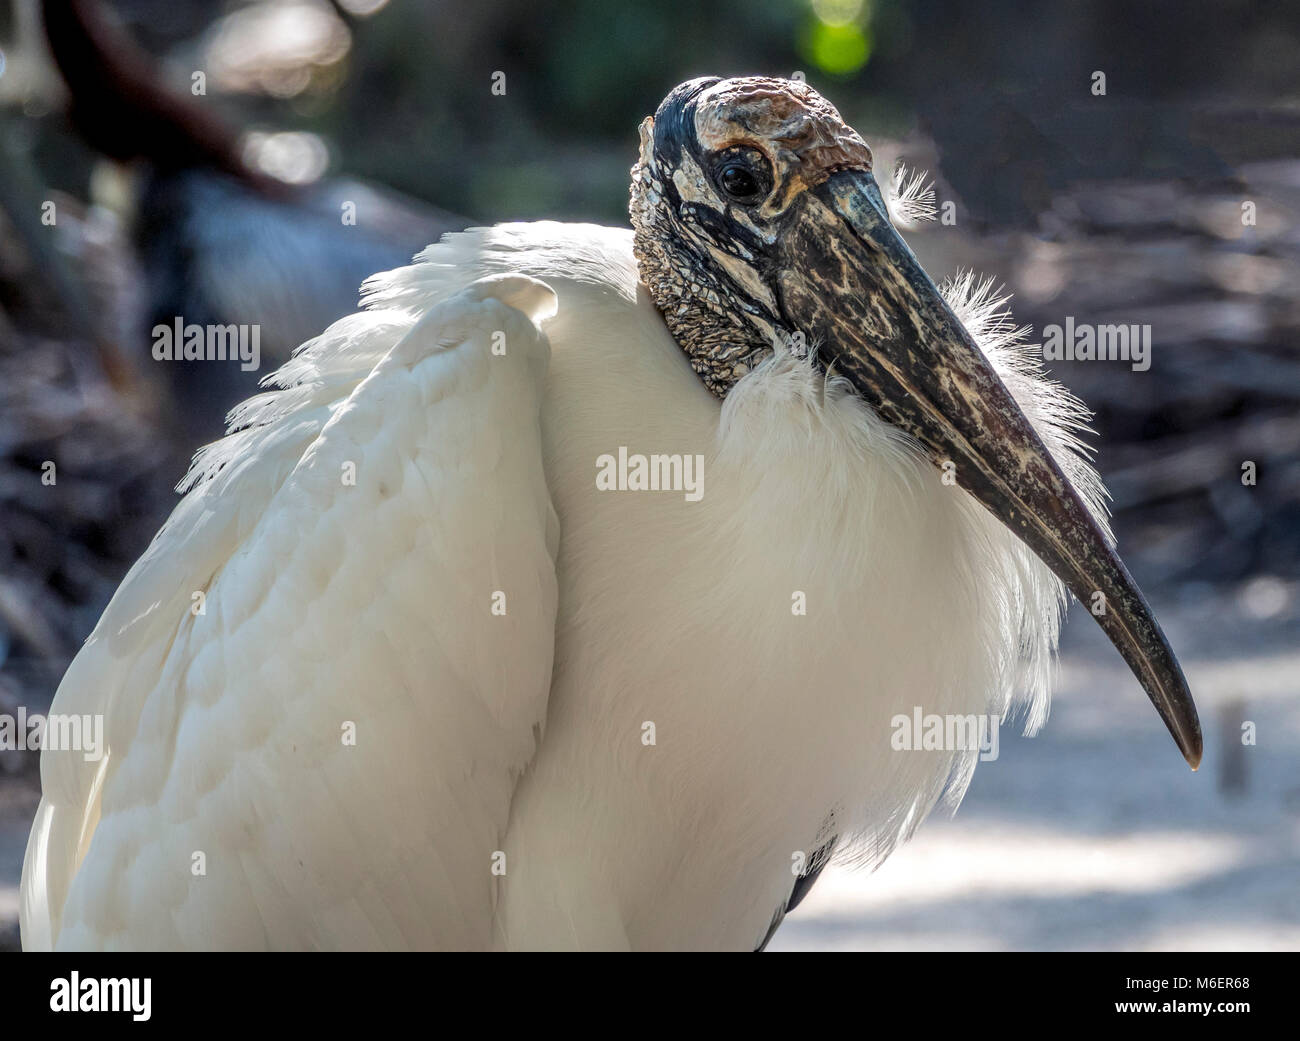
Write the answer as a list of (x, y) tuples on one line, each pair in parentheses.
[(758, 226)]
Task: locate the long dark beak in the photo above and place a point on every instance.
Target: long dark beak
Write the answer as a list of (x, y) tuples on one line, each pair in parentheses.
[(851, 284)]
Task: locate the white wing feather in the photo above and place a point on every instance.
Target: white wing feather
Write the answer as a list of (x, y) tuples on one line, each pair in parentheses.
[(230, 811)]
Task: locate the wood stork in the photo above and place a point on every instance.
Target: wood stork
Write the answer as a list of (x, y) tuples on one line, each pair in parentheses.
[(446, 691)]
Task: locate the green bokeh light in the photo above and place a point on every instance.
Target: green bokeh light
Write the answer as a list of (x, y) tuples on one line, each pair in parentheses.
[(839, 12), (839, 49)]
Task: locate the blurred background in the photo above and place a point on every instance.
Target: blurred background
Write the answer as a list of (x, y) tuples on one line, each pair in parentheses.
[(1109, 162)]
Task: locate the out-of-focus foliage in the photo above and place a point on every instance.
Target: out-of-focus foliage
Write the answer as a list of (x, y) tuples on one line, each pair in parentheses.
[(1122, 205)]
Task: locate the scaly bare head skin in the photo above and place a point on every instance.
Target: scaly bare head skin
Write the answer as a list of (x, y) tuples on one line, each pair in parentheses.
[(696, 243), (759, 227), (800, 132)]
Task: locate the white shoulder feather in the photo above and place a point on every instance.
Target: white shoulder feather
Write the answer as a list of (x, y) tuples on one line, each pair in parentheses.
[(319, 610)]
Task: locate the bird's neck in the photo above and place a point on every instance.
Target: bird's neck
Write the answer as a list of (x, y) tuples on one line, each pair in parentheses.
[(723, 333)]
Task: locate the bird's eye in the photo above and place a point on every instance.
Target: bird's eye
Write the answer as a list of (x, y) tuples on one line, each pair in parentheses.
[(739, 182)]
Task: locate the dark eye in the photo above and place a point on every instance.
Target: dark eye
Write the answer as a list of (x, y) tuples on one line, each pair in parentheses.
[(742, 175), (738, 181)]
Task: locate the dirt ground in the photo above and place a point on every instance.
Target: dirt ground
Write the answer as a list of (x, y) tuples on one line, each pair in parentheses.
[(1095, 835)]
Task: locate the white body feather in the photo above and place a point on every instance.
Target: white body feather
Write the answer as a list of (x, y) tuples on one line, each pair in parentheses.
[(501, 792)]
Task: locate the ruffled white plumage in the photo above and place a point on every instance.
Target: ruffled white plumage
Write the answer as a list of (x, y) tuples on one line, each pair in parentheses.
[(669, 612), (230, 811)]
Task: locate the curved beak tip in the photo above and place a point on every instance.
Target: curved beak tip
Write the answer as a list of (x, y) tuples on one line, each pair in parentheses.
[(1184, 727)]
